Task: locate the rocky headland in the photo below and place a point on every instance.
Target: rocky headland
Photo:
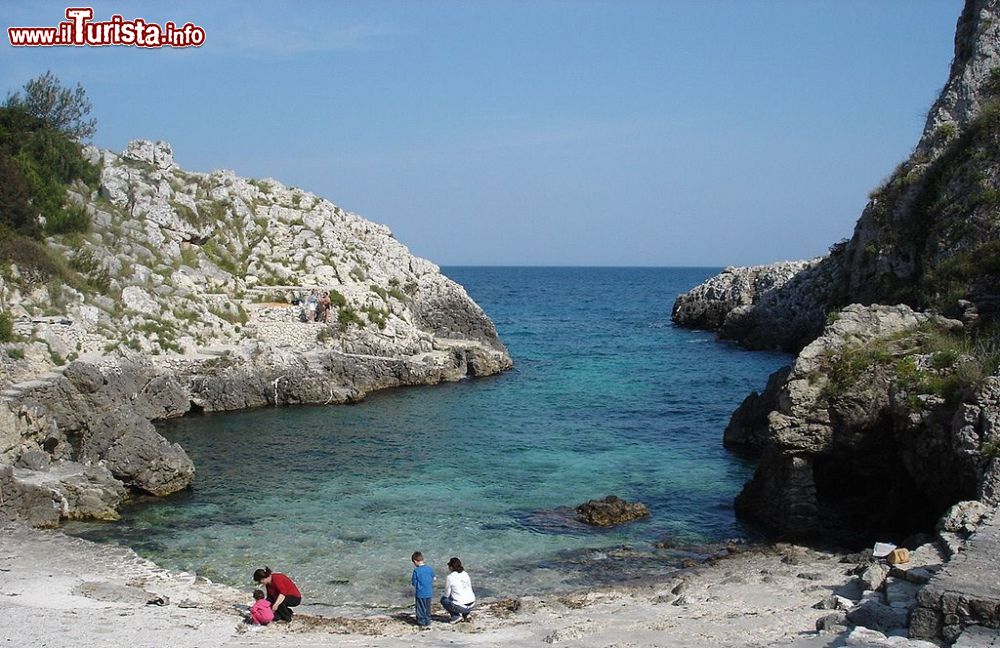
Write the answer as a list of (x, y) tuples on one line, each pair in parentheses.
[(178, 299), (890, 415)]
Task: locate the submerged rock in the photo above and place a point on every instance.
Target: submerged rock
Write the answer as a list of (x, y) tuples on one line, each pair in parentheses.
[(611, 511)]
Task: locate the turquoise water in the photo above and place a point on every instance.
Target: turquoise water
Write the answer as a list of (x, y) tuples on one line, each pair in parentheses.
[(606, 397)]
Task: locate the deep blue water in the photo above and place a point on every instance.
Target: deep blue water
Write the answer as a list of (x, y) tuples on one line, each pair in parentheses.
[(607, 397)]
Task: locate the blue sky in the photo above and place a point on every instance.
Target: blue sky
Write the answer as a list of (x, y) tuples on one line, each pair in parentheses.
[(703, 132)]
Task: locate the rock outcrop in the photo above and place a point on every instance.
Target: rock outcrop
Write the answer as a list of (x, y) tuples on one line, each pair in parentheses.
[(890, 415), (66, 490), (185, 298), (178, 262), (879, 426), (611, 511), (747, 430), (782, 305), (964, 594)]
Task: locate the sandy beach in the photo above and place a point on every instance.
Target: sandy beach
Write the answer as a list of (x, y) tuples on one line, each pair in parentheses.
[(63, 591)]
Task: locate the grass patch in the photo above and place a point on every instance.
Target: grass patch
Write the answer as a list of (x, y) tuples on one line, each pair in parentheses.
[(34, 260), (377, 316)]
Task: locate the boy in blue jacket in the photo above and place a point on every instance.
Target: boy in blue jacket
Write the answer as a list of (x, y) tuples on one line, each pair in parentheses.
[(423, 584)]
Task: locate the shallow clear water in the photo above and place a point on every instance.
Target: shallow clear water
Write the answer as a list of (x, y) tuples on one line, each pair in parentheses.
[(606, 397)]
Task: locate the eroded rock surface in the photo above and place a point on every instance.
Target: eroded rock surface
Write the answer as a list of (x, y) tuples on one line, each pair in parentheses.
[(611, 511), (871, 430)]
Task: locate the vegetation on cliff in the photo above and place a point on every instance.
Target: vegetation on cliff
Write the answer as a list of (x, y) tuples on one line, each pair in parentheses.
[(41, 164), (949, 231), (41, 157)]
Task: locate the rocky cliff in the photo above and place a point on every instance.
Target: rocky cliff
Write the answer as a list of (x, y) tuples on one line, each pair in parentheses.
[(179, 299), (889, 414), (882, 423), (929, 236)]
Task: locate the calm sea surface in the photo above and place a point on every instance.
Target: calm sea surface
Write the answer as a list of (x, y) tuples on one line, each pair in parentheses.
[(607, 397)]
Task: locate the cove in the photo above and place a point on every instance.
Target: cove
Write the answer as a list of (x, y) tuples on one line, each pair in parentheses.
[(606, 397)]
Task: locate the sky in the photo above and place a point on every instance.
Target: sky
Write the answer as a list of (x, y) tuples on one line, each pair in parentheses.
[(502, 132)]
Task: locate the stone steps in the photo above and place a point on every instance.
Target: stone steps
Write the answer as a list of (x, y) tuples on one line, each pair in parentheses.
[(978, 637), (965, 595)]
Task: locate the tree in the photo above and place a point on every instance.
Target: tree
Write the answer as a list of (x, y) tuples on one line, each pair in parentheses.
[(65, 109), (16, 211)]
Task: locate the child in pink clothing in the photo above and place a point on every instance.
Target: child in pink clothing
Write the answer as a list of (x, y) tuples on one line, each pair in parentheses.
[(261, 612)]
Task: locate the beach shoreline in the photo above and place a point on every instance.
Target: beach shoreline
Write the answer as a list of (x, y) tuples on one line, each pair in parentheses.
[(57, 588)]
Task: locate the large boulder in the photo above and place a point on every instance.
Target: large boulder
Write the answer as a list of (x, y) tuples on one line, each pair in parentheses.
[(136, 454), (68, 490)]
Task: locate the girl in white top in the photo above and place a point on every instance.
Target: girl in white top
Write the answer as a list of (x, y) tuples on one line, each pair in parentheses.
[(458, 596)]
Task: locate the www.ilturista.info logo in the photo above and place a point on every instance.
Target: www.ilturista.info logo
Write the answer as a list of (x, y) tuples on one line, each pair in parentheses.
[(78, 30)]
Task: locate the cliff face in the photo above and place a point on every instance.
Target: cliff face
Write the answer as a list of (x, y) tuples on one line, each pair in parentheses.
[(179, 261), (939, 209), (929, 236), (882, 423), (180, 300), (889, 413)]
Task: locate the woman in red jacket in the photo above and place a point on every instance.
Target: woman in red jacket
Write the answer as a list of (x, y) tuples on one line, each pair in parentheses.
[(281, 592)]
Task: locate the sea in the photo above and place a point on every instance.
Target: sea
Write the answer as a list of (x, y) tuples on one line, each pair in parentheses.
[(607, 397)]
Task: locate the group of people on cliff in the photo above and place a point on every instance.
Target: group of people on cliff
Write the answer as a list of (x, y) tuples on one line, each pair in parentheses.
[(280, 594), (315, 308)]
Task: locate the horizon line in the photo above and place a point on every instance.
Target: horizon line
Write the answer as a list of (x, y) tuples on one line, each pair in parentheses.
[(648, 267)]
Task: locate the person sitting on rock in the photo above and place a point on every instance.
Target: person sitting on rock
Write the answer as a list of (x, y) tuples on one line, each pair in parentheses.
[(281, 592), (458, 598)]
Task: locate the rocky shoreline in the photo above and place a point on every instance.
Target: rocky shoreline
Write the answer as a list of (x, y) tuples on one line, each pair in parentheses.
[(78, 440), (770, 595)]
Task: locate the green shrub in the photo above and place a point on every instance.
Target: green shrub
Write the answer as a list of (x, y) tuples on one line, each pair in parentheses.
[(944, 359), (73, 218), (16, 211), (35, 261), (347, 316), (991, 449), (6, 328), (337, 299), (377, 316), (37, 163), (15, 354)]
